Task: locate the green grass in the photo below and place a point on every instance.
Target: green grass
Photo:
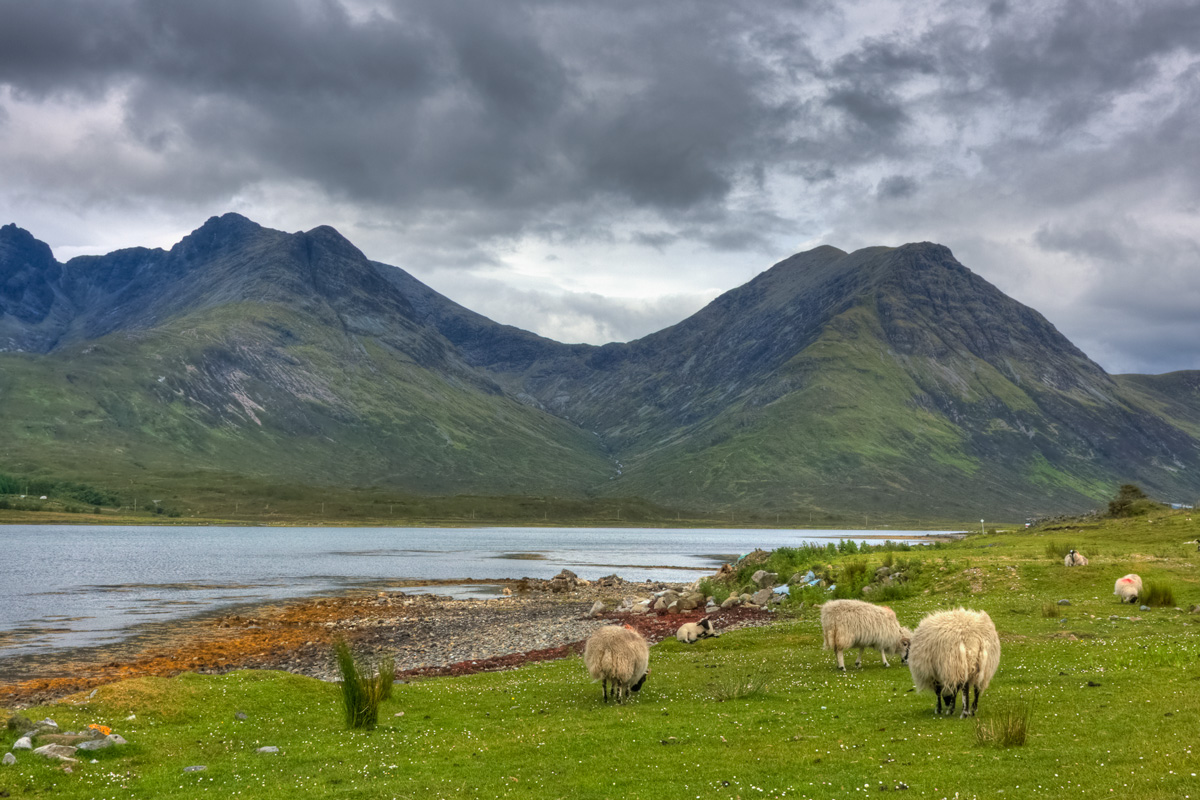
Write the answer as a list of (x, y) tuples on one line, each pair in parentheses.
[(1108, 706)]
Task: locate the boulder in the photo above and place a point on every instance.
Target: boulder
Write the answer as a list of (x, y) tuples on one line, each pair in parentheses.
[(762, 597), (8, 760), (597, 609), (60, 752), (24, 743), (763, 579), (733, 601)]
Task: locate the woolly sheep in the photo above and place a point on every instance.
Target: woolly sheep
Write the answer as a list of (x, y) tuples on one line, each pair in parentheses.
[(1075, 559), (691, 631), (1128, 588), (952, 651), (854, 623), (617, 655)]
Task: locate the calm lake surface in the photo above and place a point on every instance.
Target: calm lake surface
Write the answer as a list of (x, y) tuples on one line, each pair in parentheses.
[(67, 586)]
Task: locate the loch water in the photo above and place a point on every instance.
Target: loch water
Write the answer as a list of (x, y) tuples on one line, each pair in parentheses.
[(82, 586)]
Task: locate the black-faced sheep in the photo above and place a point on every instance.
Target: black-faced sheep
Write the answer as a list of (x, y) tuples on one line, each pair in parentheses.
[(1128, 588), (952, 651), (619, 656), (1074, 559), (691, 631), (853, 623)]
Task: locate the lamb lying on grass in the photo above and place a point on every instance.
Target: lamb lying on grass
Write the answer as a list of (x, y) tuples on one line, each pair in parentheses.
[(1128, 588), (691, 631), (847, 624), (1074, 559), (952, 651), (617, 655)]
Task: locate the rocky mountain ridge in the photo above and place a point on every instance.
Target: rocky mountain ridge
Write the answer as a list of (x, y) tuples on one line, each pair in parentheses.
[(883, 379)]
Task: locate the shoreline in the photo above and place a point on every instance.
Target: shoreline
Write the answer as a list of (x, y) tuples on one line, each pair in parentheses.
[(426, 634)]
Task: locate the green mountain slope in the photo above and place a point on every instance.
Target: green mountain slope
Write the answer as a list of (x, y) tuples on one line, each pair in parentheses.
[(887, 380)]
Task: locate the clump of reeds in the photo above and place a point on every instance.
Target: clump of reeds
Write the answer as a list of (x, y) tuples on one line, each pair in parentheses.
[(362, 694), (1006, 725), (1052, 611), (1158, 593)]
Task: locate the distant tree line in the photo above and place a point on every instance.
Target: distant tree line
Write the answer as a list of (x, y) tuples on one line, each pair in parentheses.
[(50, 487)]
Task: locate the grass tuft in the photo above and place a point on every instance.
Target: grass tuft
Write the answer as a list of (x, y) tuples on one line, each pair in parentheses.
[(1052, 611), (1158, 593), (361, 695), (741, 687), (1006, 726), (1057, 550)]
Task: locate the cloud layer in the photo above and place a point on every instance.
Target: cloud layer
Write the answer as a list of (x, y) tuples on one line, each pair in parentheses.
[(595, 170)]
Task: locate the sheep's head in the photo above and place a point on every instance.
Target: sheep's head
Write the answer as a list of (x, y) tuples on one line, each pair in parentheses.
[(637, 687), (905, 644)]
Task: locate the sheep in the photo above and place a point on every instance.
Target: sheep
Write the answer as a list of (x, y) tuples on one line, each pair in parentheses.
[(617, 655), (953, 651), (691, 631), (1128, 588), (854, 623), (1075, 559)]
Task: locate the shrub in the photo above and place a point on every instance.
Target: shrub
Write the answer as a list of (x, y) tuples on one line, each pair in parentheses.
[(361, 695), (1131, 501), (718, 591), (1158, 593), (1005, 726)]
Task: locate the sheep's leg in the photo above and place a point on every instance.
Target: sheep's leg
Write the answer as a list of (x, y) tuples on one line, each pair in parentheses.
[(937, 690), (975, 703), (883, 655), (858, 661), (604, 685), (840, 661), (966, 712)]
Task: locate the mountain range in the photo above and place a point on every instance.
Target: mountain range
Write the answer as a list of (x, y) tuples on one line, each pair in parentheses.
[(889, 379)]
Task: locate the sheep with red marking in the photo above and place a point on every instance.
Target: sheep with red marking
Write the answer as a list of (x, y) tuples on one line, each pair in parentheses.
[(847, 624), (1128, 588), (953, 651), (617, 655)]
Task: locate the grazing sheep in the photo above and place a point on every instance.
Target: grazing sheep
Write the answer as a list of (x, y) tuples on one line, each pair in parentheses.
[(617, 655), (691, 631), (1075, 559), (853, 623), (1128, 588), (952, 651)]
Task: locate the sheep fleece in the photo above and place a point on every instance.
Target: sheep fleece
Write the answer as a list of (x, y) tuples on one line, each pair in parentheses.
[(954, 648), (617, 655), (848, 624), (1128, 588)]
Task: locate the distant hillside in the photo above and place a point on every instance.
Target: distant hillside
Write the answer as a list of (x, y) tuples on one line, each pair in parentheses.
[(884, 380)]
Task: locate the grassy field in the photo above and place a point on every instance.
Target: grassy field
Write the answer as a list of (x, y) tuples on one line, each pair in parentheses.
[(1110, 694)]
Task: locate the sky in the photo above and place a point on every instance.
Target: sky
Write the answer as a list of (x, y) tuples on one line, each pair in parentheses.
[(596, 170)]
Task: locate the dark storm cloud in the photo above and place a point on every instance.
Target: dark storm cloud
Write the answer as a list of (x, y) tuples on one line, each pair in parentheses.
[(455, 131)]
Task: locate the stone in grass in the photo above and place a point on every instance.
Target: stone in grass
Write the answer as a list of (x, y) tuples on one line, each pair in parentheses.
[(1064, 602), (240, 715), (105, 743), (197, 768), (62, 752), (268, 749), (1144, 608), (9, 759), (24, 743)]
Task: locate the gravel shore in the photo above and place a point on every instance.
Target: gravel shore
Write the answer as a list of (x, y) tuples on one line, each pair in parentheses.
[(426, 634)]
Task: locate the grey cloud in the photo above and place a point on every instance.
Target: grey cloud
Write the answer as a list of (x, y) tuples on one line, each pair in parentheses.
[(896, 187)]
